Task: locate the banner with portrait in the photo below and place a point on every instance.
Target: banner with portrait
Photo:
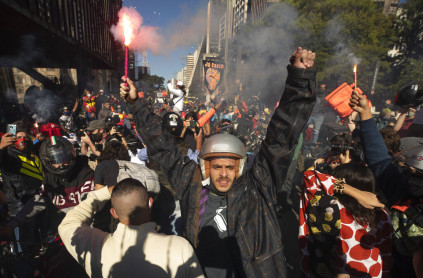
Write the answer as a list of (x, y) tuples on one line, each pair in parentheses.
[(213, 74)]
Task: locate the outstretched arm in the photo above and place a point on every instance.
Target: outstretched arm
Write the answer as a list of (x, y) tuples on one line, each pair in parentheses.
[(401, 119), (174, 91), (391, 181), (374, 147), (315, 181), (75, 106), (288, 121), (160, 143)]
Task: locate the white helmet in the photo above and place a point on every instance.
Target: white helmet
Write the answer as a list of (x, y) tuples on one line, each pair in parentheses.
[(223, 145)]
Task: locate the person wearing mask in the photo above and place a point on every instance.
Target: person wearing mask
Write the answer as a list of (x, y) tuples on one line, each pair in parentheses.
[(135, 247), (68, 178), (228, 212), (178, 96), (105, 112), (384, 118), (404, 121), (22, 174), (98, 135), (67, 119), (89, 103)]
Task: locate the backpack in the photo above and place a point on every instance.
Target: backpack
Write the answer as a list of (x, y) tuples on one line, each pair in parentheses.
[(407, 222), (139, 172)]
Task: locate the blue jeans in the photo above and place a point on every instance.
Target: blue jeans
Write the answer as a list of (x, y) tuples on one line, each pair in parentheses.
[(317, 121)]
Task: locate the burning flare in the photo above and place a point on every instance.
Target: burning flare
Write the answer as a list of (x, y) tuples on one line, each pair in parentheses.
[(127, 29), (128, 34), (131, 32), (355, 78)]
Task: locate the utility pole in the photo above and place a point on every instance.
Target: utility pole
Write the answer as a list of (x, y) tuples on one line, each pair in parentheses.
[(375, 76)]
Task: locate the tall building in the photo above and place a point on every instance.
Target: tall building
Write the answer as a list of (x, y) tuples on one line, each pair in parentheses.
[(189, 69), (215, 9), (258, 7), (180, 76), (59, 38), (389, 7), (223, 19), (240, 13)]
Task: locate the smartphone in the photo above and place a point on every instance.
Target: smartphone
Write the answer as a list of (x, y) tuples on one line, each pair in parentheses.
[(11, 129)]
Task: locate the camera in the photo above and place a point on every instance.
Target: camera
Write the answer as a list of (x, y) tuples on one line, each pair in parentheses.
[(80, 133), (119, 128), (356, 150), (193, 124), (342, 148), (93, 157)]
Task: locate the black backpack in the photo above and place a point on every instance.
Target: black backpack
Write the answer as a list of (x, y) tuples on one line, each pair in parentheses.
[(407, 222)]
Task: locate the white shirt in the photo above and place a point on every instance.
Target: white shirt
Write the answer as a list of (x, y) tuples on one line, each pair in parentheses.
[(131, 251), (178, 97)]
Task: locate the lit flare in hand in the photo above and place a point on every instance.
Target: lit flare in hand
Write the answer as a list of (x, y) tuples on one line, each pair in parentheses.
[(355, 78), (128, 34)]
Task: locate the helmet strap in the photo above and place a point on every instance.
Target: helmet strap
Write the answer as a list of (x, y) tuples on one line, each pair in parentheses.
[(207, 168), (237, 167)]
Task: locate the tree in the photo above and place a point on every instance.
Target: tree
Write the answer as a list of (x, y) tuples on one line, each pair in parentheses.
[(341, 32), (344, 33), (408, 61)]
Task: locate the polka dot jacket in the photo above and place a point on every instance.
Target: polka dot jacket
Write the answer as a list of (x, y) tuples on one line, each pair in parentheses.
[(332, 241)]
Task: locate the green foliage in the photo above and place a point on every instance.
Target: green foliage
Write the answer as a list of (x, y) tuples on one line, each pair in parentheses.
[(409, 30), (408, 63), (343, 32)]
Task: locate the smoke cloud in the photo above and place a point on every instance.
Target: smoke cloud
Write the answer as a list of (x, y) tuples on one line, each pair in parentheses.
[(335, 36), (144, 37), (185, 30), (43, 104), (262, 53)]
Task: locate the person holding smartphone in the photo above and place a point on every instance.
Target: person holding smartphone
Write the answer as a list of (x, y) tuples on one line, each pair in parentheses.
[(22, 174)]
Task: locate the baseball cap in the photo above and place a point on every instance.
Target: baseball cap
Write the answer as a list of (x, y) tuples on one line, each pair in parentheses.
[(180, 83), (96, 124)]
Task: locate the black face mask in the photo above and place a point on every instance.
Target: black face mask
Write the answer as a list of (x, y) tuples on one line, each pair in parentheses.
[(95, 138), (24, 145)]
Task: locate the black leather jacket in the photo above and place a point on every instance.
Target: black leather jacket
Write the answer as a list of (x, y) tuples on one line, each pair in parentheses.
[(255, 236)]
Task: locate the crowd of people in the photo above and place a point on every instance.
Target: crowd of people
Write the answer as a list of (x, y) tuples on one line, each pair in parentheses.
[(125, 185)]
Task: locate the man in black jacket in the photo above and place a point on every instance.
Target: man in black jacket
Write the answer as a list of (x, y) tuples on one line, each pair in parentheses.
[(227, 212), (22, 174)]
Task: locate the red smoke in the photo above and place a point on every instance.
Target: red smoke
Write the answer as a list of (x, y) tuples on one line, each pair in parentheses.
[(143, 37)]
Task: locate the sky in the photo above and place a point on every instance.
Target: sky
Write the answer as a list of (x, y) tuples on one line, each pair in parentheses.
[(165, 14)]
